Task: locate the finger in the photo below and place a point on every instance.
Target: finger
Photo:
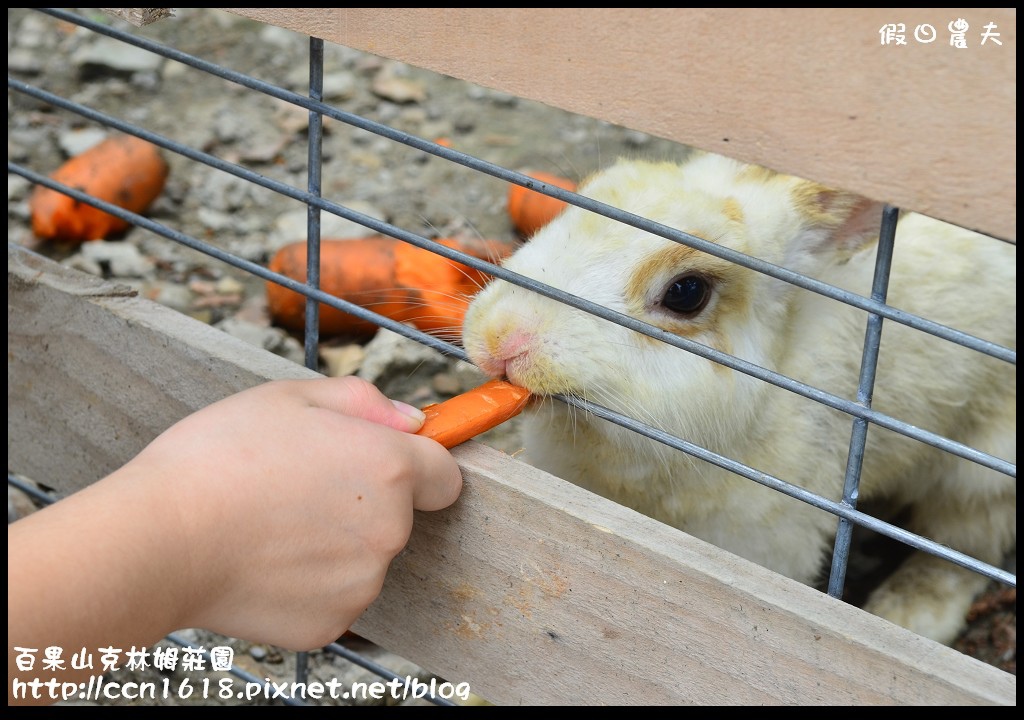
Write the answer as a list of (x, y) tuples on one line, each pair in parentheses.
[(359, 398), (438, 480)]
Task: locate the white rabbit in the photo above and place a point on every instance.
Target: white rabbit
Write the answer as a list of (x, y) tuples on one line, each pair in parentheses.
[(944, 273)]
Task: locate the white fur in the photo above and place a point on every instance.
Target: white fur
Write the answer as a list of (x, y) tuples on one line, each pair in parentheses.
[(944, 273)]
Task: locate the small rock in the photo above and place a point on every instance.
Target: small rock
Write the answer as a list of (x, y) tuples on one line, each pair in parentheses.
[(17, 187), (83, 264), (223, 191), (23, 61), (215, 220), (75, 142), (21, 142), (258, 652), (35, 31), (635, 138), (502, 99), (446, 383), (465, 124), (291, 226), (116, 259), (368, 64), (19, 504), (394, 357), (339, 86), (169, 294), (397, 89), (413, 116), (433, 129), (279, 37), (189, 635), (253, 244), (387, 112), (273, 339), (175, 72), (292, 118), (228, 285), (342, 360), (367, 159), (253, 310), (107, 56)]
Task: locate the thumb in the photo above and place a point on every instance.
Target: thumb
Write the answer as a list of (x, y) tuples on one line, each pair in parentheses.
[(438, 478), (360, 398)]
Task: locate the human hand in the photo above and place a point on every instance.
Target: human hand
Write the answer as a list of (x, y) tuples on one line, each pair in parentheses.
[(291, 500)]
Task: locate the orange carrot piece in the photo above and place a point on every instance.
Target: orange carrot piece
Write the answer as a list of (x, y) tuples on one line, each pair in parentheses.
[(530, 210), (473, 412), (391, 277), (123, 170), (360, 270)]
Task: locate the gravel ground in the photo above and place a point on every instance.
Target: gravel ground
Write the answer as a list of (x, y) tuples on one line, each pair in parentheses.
[(377, 176)]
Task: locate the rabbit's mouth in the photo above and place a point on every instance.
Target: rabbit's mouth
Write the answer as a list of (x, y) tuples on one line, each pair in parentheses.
[(541, 378)]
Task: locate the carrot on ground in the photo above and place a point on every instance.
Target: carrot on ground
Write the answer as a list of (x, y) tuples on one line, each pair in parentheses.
[(530, 210), (123, 170), (473, 412), (391, 277)]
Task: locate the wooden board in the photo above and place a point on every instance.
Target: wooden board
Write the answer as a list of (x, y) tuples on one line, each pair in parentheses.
[(94, 372), (814, 92)]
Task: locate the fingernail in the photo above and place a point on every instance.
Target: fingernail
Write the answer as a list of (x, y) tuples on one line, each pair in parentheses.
[(409, 411)]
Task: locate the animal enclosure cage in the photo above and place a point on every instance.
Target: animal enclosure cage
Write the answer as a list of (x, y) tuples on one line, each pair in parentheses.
[(467, 621)]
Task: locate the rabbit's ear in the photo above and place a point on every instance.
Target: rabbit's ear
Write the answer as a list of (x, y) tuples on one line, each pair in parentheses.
[(837, 224)]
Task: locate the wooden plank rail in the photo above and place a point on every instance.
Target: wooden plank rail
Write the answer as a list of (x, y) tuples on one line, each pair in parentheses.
[(814, 92), (529, 588)]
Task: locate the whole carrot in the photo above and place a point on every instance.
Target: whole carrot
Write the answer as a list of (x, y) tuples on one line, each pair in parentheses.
[(123, 170), (389, 276), (476, 411)]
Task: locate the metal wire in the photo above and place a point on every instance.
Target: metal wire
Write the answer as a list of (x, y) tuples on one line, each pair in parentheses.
[(311, 338), (237, 672), (378, 669), (31, 490), (865, 390)]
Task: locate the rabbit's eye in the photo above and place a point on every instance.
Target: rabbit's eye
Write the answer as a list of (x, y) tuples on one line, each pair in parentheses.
[(687, 295)]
